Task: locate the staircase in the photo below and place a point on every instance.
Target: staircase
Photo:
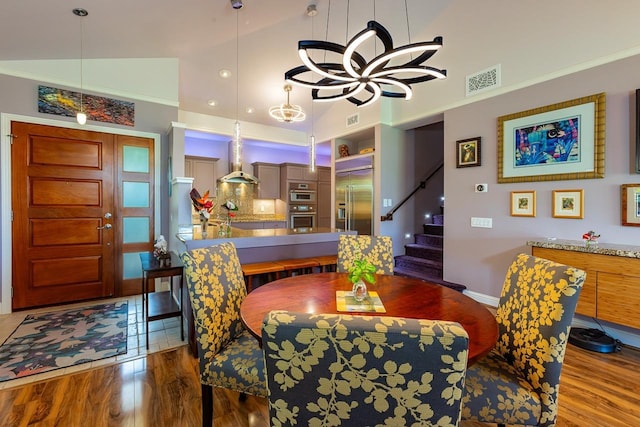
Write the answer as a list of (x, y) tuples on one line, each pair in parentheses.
[(423, 258)]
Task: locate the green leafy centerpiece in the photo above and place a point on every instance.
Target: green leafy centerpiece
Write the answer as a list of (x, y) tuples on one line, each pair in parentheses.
[(361, 272)]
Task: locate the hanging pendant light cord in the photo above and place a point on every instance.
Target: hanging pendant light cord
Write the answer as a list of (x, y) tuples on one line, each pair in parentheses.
[(81, 65)]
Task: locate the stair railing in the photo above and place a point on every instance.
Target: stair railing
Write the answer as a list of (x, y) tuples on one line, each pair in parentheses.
[(422, 185)]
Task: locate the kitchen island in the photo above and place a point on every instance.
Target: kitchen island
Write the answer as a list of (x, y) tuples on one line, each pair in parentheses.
[(269, 244)]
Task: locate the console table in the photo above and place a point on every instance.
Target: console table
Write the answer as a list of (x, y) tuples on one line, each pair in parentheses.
[(611, 290), (161, 305)]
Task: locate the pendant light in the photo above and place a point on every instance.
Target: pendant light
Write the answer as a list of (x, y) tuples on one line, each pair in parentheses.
[(357, 76), (312, 11), (237, 175), (287, 112), (81, 117)]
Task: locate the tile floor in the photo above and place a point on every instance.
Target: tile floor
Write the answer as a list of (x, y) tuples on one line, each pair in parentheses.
[(163, 334)]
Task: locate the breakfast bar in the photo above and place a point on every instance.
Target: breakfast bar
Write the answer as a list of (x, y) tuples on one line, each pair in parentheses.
[(273, 244)]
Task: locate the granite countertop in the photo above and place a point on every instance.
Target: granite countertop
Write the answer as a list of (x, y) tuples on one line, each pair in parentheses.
[(246, 218), (260, 237), (629, 251)]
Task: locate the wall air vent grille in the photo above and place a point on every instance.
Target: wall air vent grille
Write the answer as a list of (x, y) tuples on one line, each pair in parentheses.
[(484, 80), (353, 120)]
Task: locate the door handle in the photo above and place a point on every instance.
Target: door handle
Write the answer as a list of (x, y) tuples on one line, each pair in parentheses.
[(105, 227)]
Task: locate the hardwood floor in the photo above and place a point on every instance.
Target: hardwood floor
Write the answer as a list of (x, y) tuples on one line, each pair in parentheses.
[(163, 390)]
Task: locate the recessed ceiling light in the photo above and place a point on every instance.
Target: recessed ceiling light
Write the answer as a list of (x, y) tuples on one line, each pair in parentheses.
[(212, 103), (250, 110), (224, 73)]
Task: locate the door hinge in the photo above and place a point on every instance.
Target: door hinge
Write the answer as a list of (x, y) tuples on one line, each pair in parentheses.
[(12, 136)]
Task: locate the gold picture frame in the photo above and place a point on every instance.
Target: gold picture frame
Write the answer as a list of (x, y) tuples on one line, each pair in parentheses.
[(523, 203), (630, 198), (568, 204), (555, 142)]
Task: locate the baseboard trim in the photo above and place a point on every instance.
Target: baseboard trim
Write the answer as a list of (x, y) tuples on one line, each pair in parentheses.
[(627, 336)]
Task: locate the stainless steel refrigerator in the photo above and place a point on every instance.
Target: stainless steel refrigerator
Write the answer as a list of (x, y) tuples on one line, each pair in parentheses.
[(354, 200)]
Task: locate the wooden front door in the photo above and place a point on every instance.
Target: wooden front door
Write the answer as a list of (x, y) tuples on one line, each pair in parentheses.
[(66, 242)]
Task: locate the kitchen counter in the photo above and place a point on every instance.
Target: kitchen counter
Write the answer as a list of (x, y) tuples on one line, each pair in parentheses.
[(269, 244)]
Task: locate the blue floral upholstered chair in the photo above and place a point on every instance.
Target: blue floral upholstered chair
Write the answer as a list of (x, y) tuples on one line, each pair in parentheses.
[(229, 356), (346, 370), (518, 382), (376, 249)]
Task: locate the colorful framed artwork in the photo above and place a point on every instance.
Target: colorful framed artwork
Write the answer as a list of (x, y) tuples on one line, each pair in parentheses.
[(568, 204), (630, 204), (63, 102), (555, 142), (523, 203), (468, 152)]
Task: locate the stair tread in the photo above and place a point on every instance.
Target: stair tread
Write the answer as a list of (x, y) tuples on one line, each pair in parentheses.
[(417, 260), (419, 245)]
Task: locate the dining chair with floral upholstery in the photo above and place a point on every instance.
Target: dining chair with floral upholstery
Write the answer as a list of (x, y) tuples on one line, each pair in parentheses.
[(229, 356), (518, 381), (348, 370), (378, 250)]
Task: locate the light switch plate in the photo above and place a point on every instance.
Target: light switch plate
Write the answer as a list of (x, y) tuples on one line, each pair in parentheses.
[(482, 222)]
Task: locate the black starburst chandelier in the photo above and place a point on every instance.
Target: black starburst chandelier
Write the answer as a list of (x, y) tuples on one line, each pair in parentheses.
[(355, 76)]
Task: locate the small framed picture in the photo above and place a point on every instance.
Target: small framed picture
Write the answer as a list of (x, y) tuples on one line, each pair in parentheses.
[(568, 204), (468, 152), (630, 204), (523, 203)]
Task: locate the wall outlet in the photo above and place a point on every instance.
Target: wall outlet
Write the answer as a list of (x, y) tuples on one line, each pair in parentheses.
[(482, 188)]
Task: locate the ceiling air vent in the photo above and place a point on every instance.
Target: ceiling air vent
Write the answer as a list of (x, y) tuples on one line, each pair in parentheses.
[(353, 119), (484, 80)]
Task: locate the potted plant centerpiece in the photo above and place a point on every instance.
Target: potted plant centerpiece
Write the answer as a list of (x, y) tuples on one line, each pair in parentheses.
[(361, 272)]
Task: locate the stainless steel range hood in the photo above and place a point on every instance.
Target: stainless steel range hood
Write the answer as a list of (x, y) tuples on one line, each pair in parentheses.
[(237, 176)]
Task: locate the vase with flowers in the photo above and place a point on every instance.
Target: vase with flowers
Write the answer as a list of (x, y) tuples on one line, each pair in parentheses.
[(361, 272), (590, 238), (204, 206), (161, 251), (231, 209)]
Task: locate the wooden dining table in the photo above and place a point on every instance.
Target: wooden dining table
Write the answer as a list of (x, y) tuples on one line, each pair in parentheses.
[(401, 297)]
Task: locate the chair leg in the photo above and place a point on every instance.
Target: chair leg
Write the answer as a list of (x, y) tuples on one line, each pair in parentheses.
[(242, 397), (207, 405)]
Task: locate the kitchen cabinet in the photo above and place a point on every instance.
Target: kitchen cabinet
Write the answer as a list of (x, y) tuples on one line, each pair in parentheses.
[(203, 172), (324, 174), (297, 172), (269, 176), (610, 291), (323, 211)]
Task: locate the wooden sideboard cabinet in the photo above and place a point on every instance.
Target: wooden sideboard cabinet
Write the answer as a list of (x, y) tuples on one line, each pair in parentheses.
[(611, 291)]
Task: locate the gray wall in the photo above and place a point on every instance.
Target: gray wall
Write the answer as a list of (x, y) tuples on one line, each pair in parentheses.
[(478, 257), (20, 97)]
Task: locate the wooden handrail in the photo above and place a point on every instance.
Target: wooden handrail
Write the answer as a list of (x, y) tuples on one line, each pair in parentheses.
[(422, 185)]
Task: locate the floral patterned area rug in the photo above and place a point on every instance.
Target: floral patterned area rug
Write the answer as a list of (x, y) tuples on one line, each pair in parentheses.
[(44, 342)]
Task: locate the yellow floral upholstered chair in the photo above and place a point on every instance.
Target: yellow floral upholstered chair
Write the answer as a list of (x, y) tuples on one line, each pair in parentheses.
[(518, 382), (376, 249), (229, 356), (346, 370)]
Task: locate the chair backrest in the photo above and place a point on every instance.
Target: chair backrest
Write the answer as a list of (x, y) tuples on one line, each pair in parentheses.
[(376, 249), (534, 317), (216, 289), (363, 370)]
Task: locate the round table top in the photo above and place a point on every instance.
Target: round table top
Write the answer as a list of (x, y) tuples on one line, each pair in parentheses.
[(401, 297)]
